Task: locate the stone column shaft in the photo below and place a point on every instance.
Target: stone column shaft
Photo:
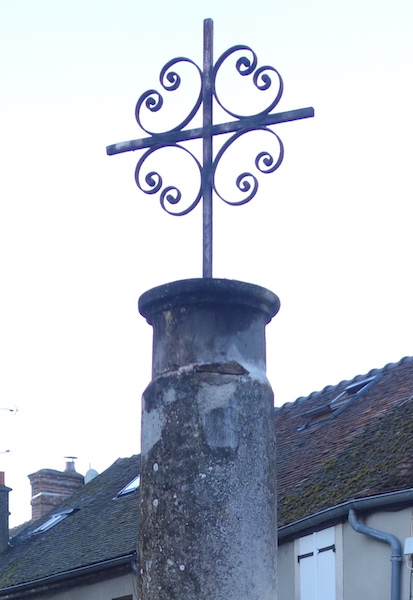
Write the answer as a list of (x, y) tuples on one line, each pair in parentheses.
[(207, 528)]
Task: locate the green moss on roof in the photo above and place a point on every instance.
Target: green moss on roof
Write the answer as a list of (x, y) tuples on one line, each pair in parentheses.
[(378, 461), (102, 529)]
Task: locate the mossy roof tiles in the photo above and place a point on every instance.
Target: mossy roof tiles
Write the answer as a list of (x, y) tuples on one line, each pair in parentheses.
[(102, 529), (365, 450)]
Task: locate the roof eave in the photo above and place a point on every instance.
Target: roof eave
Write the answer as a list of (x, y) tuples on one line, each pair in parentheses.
[(33, 587), (336, 513)]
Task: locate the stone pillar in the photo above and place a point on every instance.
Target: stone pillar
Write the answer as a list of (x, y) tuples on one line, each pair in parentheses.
[(207, 528)]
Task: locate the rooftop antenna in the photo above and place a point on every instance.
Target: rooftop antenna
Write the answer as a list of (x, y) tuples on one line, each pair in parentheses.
[(262, 79), (13, 410)]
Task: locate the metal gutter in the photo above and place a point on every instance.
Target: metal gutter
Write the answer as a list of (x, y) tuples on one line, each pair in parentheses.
[(340, 511), (71, 573), (396, 551)]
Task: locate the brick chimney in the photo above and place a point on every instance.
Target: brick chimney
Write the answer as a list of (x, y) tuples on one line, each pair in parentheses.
[(50, 488), (4, 514)]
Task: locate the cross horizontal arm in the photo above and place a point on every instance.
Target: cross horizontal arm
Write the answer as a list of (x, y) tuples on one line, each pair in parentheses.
[(190, 134)]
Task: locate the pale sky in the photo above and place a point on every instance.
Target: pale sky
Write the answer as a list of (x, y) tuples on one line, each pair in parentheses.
[(329, 233)]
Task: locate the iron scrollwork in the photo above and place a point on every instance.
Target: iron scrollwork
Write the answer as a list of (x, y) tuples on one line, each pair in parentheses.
[(247, 182), (246, 67), (170, 81), (150, 181), (153, 101), (170, 195)]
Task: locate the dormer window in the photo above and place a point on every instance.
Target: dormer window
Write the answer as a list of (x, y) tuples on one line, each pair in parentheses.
[(54, 519), (131, 487)]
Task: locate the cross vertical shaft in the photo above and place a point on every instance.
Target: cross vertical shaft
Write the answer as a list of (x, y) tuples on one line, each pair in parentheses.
[(207, 149)]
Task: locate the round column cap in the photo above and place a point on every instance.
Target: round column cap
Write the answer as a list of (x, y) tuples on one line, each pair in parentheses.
[(208, 291)]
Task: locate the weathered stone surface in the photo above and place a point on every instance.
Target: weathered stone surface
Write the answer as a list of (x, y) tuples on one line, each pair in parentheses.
[(203, 321), (208, 518)]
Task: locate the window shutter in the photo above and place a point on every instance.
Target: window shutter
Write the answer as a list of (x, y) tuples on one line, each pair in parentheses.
[(317, 566), (308, 568)]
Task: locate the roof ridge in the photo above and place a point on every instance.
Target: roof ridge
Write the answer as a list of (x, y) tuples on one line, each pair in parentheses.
[(371, 373)]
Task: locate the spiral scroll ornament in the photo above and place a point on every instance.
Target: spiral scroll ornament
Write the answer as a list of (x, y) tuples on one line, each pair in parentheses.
[(171, 197), (246, 182), (153, 101), (247, 66)]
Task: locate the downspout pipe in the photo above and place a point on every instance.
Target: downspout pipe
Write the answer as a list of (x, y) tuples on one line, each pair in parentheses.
[(396, 550)]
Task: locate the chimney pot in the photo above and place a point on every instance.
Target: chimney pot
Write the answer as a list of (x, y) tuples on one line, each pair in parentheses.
[(4, 514)]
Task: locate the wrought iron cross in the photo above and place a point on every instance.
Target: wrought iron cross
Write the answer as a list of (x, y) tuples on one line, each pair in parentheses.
[(247, 183)]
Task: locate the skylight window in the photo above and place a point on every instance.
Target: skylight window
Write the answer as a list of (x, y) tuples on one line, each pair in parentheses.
[(317, 415), (131, 487), (338, 404), (350, 391), (53, 520)]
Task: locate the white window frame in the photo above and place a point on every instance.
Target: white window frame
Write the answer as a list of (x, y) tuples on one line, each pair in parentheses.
[(129, 488), (54, 520)]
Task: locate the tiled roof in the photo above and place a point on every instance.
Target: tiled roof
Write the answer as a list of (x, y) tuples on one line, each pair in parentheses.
[(102, 528), (364, 448)]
